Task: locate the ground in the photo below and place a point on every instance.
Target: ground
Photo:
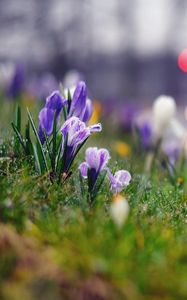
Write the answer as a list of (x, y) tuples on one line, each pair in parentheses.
[(53, 246)]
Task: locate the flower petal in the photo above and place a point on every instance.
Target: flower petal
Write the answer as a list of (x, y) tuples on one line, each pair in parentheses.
[(92, 158), (55, 102), (96, 127), (83, 168), (46, 117), (79, 99), (104, 157)]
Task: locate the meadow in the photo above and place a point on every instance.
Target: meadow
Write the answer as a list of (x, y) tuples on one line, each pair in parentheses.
[(62, 235)]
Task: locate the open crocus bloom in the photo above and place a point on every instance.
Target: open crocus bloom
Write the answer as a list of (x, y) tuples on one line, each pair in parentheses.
[(119, 180), (54, 104), (96, 161), (75, 132)]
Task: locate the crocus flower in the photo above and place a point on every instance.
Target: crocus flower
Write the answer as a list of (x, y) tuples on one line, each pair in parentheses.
[(173, 150), (17, 83), (96, 161), (75, 132), (119, 180), (72, 78), (164, 109), (126, 116), (6, 74), (54, 104), (145, 132), (119, 210), (42, 86), (80, 106), (79, 100)]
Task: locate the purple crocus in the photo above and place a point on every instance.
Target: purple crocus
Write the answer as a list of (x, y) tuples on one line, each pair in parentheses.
[(17, 82), (75, 132), (145, 133), (54, 104), (95, 162), (78, 102), (42, 86), (119, 180)]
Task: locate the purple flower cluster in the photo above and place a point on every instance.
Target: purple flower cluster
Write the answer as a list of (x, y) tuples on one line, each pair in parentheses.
[(79, 106), (74, 131)]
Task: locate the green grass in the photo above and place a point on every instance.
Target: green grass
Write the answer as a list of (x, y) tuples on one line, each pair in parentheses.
[(52, 246)]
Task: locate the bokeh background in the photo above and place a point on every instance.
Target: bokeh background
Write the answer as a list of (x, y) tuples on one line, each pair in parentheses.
[(125, 49)]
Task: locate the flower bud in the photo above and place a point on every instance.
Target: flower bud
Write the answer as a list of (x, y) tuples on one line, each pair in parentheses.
[(164, 109), (119, 210)]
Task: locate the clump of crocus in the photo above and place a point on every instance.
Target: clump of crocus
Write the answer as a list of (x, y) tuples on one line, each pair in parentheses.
[(95, 168), (58, 144), (156, 127), (119, 210), (72, 104)]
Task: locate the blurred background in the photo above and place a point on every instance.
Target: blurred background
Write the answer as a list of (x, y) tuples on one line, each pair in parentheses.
[(124, 49)]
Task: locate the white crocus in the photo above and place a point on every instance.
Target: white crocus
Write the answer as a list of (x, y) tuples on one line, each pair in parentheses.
[(119, 210), (164, 109), (6, 74)]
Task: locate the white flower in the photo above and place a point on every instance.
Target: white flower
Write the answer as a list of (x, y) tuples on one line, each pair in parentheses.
[(119, 210), (6, 74), (164, 109)]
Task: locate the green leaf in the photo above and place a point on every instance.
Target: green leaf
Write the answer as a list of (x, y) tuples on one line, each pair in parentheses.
[(28, 142), (54, 144), (18, 118), (18, 127), (62, 160), (69, 100), (37, 160), (18, 136), (40, 153), (59, 152), (76, 152)]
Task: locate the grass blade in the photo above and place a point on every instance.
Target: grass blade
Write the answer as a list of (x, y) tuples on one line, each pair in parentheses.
[(40, 153), (19, 137)]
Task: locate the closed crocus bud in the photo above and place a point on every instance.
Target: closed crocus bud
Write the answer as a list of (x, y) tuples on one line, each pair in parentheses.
[(78, 100), (119, 210), (164, 109)]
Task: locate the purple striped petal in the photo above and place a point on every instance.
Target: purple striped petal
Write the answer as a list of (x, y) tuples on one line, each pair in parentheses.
[(104, 157), (119, 180), (96, 127), (55, 102), (92, 158), (83, 168), (88, 111), (79, 100)]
